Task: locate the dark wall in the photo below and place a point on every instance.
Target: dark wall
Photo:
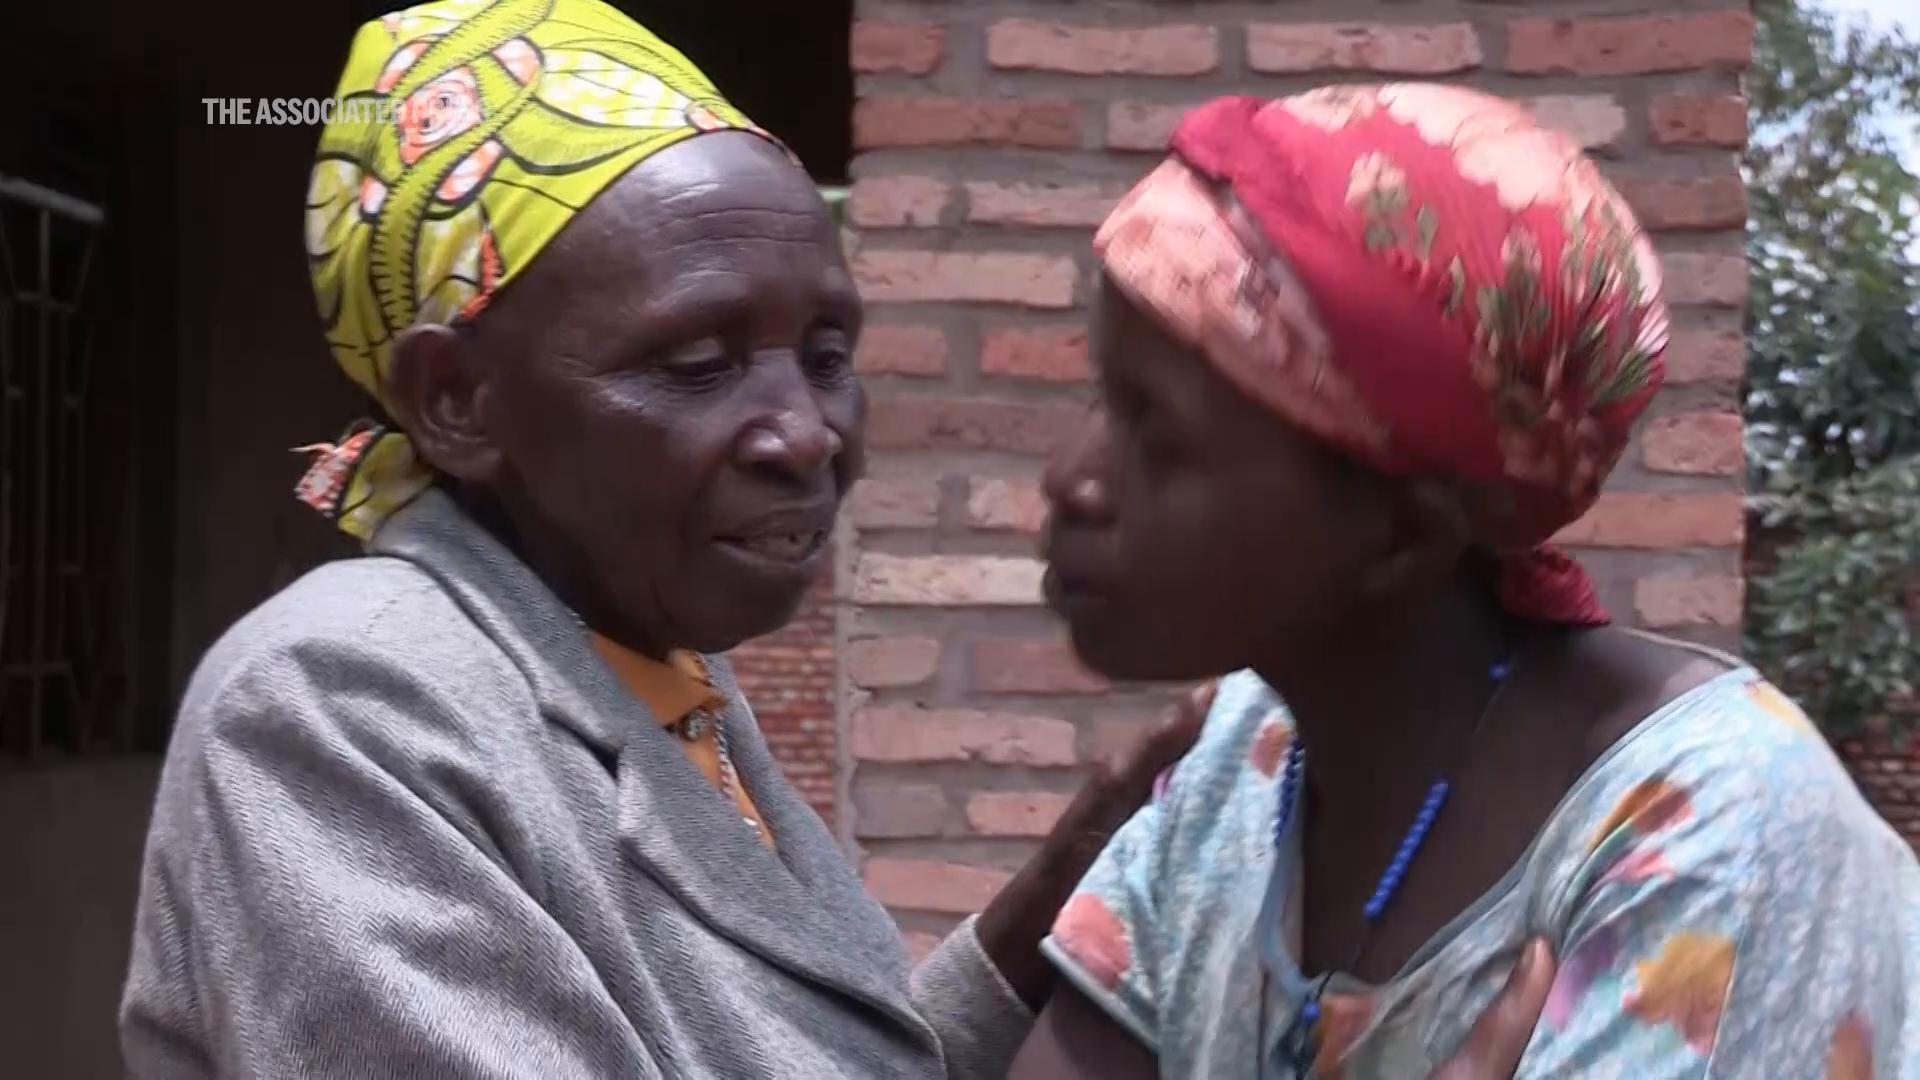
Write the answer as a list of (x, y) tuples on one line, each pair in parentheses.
[(784, 63), (211, 367), (255, 375), (66, 913)]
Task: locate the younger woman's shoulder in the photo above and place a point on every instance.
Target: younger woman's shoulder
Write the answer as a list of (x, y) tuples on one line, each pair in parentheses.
[(1246, 724), (1731, 770)]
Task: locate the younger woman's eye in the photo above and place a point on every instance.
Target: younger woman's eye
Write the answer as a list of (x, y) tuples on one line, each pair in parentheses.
[(1157, 447), (1123, 401)]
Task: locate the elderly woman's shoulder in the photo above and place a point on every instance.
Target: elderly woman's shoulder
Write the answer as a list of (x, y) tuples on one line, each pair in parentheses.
[(357, 643)]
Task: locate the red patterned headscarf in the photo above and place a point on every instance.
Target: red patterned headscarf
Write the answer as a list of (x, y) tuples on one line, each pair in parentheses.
[(1428, 279)]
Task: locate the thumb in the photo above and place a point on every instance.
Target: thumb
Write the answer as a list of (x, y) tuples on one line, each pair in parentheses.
[(1121, 785), (1493, 1048), (1136, 772)]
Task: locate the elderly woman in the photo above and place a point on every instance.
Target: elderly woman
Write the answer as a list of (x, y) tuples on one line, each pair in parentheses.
[(1364, 351), (487, 802)]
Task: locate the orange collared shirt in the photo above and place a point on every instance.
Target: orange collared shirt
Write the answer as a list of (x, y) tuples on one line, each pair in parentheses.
[(670, 691)]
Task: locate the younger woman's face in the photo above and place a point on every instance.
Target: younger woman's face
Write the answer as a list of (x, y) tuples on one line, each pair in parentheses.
[(1191, 527)]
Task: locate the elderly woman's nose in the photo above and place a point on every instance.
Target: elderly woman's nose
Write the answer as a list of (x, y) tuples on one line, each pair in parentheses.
[(1075, 480), (794, 442)]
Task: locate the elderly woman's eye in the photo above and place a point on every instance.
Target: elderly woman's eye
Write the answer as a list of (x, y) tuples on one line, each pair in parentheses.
[(829, 354), (701, 361)]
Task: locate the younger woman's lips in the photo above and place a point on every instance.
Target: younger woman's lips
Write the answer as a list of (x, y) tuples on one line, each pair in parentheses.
[(1063, 592)]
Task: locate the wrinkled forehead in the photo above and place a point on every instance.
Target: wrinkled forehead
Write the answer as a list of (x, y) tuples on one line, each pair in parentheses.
[(716, 190), (721, 205)]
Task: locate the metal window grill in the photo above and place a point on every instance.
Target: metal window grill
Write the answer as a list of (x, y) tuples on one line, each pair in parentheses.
[(48, 640)]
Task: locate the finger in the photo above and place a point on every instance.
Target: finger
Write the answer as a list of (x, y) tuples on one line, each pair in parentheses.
[(1172, 737), (1118, 788), (1499, 1038), (1124, 782)]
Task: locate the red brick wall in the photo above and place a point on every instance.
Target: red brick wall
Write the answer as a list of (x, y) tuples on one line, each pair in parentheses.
[(1890, 779), (989, 143), (790, 679), (1890, 776)]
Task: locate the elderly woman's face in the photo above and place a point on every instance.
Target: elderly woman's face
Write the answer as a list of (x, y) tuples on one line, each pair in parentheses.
[(1191, 526), (668, 401)]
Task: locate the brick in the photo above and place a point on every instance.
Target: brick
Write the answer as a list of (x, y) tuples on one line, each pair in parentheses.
[(1705, 356), (1016, 505), (1631, 45), (1667, 602), (1386, 48), (1032, 45), (789, 675), (901, 350), (884, 202), (1113, 740), (1704, 443), (1700, 202), (1707, 280), (884, 662), (1699, 120), (918, 944), (941, 887), (1006, 666), (931, 121), (947, 580), (1595, 121), (909, 735), (1051, 354), (895, 504), (899, 811), (1139, 125), (911, 48), (1079, 206), (1654, 522), (931, 423), (1015, 813), (1042, 281)]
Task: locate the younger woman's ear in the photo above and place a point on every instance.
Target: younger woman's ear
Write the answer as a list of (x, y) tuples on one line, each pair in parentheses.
[(1430, 534), (437, 389)]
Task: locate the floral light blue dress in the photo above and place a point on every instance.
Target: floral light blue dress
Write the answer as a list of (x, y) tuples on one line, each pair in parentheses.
[(1722, 900)]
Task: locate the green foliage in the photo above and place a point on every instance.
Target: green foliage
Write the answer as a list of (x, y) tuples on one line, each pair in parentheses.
[(1830, 620), (1833, 368)]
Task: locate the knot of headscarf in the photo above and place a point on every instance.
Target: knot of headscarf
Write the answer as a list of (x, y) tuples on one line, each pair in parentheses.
[(502, 120), (1424, 277)]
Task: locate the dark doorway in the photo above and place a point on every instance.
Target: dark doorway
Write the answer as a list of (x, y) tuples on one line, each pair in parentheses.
[(785, 64)]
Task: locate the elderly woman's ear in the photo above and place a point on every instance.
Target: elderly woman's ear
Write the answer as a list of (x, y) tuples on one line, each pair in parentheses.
[(439, 392)]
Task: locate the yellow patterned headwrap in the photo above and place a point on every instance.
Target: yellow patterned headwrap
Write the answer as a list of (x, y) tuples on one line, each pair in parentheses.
[(483, 127)]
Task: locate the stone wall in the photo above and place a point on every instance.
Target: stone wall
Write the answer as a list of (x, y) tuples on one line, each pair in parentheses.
[(990, 140)]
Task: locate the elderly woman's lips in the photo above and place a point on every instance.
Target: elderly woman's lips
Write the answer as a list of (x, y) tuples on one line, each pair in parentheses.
[(788, 535), (790, 547)]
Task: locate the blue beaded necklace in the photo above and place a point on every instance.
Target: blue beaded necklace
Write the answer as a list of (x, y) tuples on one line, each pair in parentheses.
[(1299, 1041)]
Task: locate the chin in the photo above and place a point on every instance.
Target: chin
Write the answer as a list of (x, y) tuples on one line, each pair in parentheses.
[(733, 617), (1116, 648)]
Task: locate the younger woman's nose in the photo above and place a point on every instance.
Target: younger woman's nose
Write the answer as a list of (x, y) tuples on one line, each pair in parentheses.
[(1075, 481)]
